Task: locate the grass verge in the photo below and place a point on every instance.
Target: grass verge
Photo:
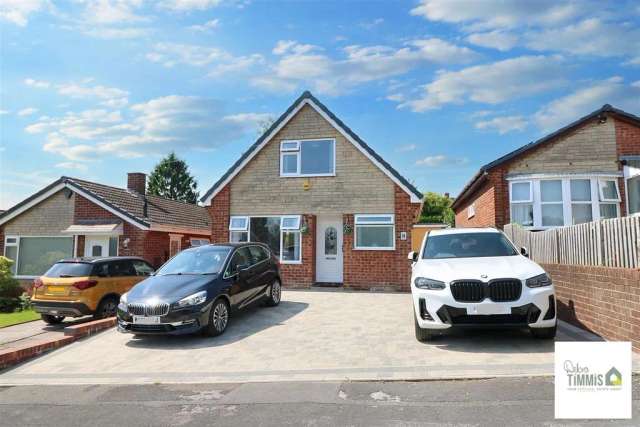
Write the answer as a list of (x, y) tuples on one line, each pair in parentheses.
[(8, 319)]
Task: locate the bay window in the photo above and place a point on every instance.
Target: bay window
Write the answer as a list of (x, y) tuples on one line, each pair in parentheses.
[(33, 256), (312, 157), (280, 233), (552, 201), (374, 232)]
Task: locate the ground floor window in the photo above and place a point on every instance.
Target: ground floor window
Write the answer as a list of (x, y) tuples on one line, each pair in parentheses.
[(632, 182), (199, 241), (557, 201), (280, 233), (33, 256), (374, 232)]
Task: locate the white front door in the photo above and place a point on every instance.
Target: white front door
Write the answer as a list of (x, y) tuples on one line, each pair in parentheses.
[(96, 246), (329, 249)]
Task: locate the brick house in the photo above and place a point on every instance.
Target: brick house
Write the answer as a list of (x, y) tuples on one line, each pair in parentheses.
[(586, 171), (73, 217), (329, 206)]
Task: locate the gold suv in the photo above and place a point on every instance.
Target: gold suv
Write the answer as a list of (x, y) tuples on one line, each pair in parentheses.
[(86, 286)]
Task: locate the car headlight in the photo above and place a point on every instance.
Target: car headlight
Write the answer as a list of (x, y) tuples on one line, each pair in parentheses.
[(195, 299), (424, 283), (123, 298), (539, 281)]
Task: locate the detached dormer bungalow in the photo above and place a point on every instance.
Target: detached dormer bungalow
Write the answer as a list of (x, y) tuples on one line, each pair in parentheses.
[(328, 206)]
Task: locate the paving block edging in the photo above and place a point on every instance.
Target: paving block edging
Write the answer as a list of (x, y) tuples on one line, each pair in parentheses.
[(15, 355)]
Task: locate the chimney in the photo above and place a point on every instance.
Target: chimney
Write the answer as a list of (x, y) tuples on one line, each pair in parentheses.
[(137, 181), (446, 195)]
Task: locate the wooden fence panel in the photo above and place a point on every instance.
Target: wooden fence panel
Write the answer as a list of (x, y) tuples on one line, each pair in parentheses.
[(611, 243)]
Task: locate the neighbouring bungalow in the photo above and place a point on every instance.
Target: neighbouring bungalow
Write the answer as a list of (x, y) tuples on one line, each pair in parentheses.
[(327, 204), (586, 171), (73, 217)]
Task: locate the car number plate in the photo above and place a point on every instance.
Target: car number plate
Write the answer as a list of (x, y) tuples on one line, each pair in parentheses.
[(56, 289), (146, 320), (487, 309)]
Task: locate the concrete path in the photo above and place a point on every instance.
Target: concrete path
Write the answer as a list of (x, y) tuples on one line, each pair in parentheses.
[(492, 402), (311, 336)]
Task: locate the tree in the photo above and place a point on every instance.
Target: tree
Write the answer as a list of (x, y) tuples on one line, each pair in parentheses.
[(171, 179), (437, 208)]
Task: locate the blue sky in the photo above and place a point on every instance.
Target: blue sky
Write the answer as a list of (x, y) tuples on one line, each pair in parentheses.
[(95, 89)]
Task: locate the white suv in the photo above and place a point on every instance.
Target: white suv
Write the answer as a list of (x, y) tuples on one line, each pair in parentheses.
[(475, 277)]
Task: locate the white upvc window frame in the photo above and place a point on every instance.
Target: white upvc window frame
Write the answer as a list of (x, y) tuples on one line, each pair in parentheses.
[(582, 202), (561, 203), (201, 241), (630, 172), (536, 202), (360, 220), (601, 185), (296, 149), (17, 245), (471, 211), (239, 228), (289, 229), (528, 201)]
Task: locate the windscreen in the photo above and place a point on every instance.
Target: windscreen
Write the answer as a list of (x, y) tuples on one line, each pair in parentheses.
[(468, 245), (200, 260), (69, 269)]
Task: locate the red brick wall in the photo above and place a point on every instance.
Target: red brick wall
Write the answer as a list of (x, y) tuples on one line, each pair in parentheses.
[(219, 210), (382, 269), (603, 300), (491, 203), (627, 138), (303, 275)]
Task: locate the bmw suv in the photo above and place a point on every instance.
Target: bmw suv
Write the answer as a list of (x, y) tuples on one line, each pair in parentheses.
[(475, 277)]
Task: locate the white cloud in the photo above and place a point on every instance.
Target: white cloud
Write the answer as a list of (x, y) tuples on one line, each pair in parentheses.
[(207, 26), (305, 65), (500, 40), (109, 96), (491, 83), (110, 33), (440, 160), (490, 14), (588, 37), (406, 148), (40, 84), (73, 165), (27, 111), (3, 112), (189, 5), (368, 25), (219, 61), (503, 124), (152, 127), (17, 11), (108, 12), (571, 107)]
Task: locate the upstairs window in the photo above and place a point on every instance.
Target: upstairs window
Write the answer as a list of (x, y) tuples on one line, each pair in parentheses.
[(313, 157)]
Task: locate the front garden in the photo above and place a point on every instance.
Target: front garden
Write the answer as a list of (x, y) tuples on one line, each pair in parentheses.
[(15, 303)]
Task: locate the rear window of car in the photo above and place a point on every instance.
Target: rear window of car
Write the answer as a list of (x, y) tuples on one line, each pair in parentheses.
[(467, 245), (69, 269)]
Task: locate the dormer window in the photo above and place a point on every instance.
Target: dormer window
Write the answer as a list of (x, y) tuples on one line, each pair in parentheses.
[(310, 157)]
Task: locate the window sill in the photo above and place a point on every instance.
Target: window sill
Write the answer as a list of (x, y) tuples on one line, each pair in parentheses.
[(290, 262), (374, 249), (319, 175)]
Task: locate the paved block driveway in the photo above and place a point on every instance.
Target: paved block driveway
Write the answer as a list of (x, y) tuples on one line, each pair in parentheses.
[(310, 336)]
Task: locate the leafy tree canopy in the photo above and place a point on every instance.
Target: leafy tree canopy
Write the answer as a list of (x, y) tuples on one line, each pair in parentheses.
[(437, 208), (171, 179)]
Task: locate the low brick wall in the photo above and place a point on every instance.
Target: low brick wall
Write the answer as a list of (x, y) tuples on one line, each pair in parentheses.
[(603, 300)]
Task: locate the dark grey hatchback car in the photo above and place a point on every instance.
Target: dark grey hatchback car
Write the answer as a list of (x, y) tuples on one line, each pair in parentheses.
[(198, 289)]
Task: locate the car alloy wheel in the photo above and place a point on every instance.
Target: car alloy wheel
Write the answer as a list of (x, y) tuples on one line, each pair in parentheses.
[(220, 316), (275, 291)]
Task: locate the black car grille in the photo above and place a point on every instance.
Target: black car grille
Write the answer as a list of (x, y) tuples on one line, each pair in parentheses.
[(519, 316), (499, 290), (159, 309)]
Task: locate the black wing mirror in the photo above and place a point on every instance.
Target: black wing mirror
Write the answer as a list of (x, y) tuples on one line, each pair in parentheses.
[(413, 256), (524, 251)]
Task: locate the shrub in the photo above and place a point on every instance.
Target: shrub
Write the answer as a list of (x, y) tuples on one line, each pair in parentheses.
[(10, 289), (25, 301)]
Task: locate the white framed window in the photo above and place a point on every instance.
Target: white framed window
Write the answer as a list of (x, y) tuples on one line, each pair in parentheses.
[(581, 205), (310, 157), (239, 223), (521, 198), (374, 232), (551, 206), (471, 210), (632, 185), (281, 233), (541, 201), (198, 241), (33, 255)]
